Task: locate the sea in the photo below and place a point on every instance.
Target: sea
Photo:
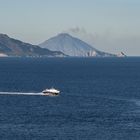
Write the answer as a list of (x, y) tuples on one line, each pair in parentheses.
[(99, 99)]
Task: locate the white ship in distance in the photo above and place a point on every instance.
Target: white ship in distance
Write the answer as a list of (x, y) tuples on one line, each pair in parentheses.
[(51, 92)]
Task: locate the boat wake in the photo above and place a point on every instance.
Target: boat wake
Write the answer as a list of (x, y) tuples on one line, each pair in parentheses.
[(20, 93)]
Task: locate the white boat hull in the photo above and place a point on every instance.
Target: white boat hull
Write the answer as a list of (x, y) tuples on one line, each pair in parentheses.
[(50, 94)]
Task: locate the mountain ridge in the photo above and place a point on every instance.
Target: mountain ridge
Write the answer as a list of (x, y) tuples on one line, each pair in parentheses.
[(72, 46), (13, 47)]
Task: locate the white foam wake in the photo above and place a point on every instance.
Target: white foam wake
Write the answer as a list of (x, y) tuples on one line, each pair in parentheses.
[(20, 93)]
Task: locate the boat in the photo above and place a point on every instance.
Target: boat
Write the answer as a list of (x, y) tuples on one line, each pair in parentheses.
[(51, 92)]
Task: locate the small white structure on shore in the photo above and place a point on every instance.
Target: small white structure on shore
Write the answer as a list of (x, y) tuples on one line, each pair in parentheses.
[(3, 55)]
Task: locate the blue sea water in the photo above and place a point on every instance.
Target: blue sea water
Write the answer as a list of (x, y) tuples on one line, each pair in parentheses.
[(99, 100)]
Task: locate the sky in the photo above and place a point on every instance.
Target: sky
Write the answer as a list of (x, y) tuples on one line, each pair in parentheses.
[(109, 25)]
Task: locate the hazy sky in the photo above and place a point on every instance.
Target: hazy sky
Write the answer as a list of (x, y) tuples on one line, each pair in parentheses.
[(110, 25)]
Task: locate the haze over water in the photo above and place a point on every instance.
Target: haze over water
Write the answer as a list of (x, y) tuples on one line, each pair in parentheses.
[(109, 25)]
